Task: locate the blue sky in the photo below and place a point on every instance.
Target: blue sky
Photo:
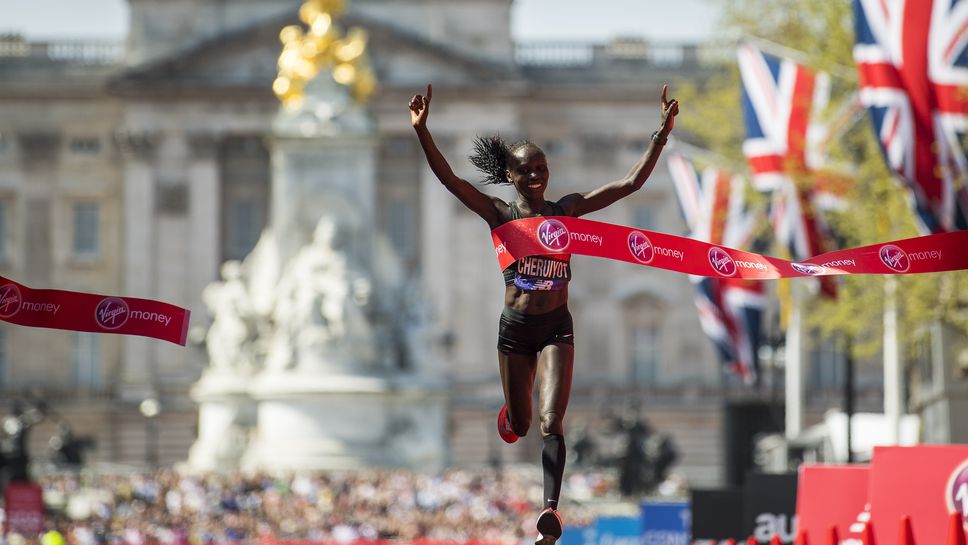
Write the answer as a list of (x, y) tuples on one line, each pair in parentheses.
[(676, 20)]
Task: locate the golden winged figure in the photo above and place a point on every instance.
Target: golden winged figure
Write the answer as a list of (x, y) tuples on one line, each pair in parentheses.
[(322, 44)]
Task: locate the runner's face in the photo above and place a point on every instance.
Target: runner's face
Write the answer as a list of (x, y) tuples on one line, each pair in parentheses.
[(528, 171)]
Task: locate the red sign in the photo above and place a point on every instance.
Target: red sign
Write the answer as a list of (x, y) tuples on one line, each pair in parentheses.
[(927, 483), (24, 508), (830, 495), (76, 311)]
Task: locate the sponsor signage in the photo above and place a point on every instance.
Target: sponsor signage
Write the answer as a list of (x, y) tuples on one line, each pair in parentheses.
[(618, 531), (641, 247), (665, 523), (721, 262), (577, 236), (24, 508), (77, 311), (716, 514), (926, 482), (770, 509), (830, 495), (553, 235), (577, 535)]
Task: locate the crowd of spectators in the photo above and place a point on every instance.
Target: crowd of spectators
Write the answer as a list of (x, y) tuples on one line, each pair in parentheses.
[(168, 508)]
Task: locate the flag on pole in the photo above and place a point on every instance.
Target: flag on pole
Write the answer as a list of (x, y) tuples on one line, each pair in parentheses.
[(782, 101), (912, 62), (730, 310)]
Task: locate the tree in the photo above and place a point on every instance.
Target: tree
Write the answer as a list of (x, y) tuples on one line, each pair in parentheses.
[(877, 210)]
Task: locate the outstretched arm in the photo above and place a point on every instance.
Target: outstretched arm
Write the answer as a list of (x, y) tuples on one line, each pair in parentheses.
[(579, 204), (483, 205)]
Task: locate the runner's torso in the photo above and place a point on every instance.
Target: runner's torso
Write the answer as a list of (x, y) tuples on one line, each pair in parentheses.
[(537, 284)]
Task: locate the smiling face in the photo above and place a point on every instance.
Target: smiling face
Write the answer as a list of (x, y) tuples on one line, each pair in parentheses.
[(528, 171)]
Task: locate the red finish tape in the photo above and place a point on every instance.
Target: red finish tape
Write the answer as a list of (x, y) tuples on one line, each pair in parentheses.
[(77, 311), (557, 235)]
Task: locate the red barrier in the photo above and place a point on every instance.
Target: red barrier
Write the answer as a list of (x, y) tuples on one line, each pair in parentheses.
[(905, 532), (925, 483), (830, 495), (833, 537), (956, 529)]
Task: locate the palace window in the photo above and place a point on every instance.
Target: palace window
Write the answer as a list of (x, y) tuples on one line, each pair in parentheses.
[(644, 353), (86, 230), (86, 360), (4, 231), (244, 221), (3, 358)]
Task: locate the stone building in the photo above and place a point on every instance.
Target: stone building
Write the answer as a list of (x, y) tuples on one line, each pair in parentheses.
[(138, 169)]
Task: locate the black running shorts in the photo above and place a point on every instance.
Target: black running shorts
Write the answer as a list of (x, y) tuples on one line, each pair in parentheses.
[(520, 333)]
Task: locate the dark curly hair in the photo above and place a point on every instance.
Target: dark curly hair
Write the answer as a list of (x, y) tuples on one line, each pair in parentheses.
[(491, 154)]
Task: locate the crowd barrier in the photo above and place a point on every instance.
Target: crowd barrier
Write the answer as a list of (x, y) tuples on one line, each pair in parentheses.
[(904, 496)]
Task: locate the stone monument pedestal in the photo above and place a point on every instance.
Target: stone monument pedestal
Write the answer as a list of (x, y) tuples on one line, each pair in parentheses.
[(226, 419), (318, 334), (346, 422)]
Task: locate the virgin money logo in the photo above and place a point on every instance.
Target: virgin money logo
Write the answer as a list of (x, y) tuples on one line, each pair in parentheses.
[(807, 268), (111, 313), (721, 262), (10, 300), (553, 235), (641, 247), (956, 493), (895, 258)]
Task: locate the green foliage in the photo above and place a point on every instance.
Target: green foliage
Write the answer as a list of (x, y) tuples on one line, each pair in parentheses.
[(819, 34)]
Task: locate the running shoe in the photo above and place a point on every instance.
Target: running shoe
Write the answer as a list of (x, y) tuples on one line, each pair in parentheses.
[(504, 426), (549, 526)]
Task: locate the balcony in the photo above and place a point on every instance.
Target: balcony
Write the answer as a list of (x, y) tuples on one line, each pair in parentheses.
[(624, 52), (14, 47)]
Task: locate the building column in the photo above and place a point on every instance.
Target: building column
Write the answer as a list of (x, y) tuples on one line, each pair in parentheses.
[(203, 216), (436, 274), (138, 152)]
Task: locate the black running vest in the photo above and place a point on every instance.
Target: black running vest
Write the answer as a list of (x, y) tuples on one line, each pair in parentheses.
[(539, 272)]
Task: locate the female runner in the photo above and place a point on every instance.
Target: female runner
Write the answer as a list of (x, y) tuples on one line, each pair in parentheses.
[(535, 332)]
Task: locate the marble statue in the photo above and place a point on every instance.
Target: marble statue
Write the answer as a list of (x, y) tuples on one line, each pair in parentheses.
[(320, 307), (229, 339)]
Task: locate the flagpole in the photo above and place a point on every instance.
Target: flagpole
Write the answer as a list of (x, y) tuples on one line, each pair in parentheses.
[(892, 366), (794, 363)]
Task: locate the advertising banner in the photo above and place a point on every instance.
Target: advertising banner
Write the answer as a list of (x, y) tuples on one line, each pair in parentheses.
[(716, 514), (24, 507), (771, 504), (618, 531), (665, 523), (830, 495), (926, 482)]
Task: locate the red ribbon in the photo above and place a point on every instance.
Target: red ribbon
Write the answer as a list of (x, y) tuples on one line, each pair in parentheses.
[(76, 311), (556, 235)]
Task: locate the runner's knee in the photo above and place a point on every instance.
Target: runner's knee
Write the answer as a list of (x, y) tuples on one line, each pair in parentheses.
[(520, 424), (551, 424)]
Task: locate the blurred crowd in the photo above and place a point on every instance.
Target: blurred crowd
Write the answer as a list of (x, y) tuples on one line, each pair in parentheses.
[(169, 508)]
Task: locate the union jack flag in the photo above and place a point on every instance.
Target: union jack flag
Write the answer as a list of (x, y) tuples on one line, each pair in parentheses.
[(730, 310), (782, 101), (912, 61)]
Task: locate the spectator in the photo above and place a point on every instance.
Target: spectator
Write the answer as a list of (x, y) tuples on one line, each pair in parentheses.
[(167, 508)]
